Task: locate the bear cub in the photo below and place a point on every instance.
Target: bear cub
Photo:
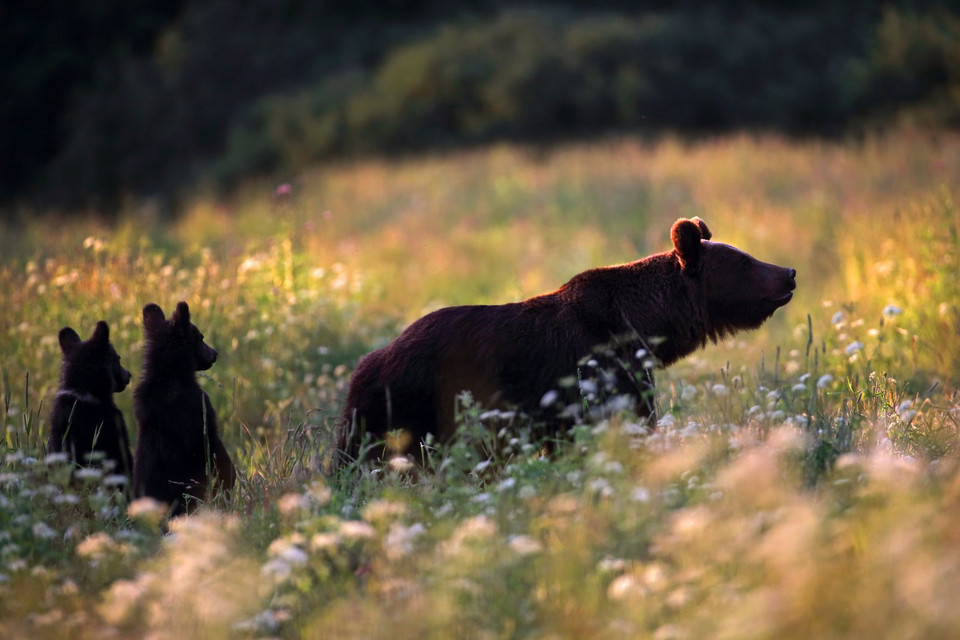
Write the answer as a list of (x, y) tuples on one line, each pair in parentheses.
[(666, 305), (85, 418), (179, 446)]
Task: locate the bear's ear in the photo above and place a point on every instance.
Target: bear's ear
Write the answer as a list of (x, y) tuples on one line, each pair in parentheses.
[(704, 230), (101, 334), (68, 340), (153, 318), (686, 236), (181, 317)]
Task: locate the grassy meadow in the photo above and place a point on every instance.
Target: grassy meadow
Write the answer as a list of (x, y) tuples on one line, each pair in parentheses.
[(803, 481)]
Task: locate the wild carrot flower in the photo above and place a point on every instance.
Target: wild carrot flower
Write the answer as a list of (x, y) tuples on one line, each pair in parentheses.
[(291, 503), (43, 531), (524, 545)]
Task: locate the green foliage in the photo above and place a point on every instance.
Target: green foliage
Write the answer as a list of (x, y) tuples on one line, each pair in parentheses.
[(152, 108), (911, 68), (543, 75)]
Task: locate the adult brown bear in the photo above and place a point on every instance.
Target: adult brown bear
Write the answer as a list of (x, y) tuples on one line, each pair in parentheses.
[(668, 305)]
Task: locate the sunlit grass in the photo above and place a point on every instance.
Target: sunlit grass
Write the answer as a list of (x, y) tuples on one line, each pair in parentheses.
[(801, 481)]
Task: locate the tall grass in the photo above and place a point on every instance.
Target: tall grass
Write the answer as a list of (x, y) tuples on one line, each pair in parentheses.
[(801, 481)]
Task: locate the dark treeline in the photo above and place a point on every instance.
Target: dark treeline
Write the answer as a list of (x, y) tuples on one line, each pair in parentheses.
[(108, 101)]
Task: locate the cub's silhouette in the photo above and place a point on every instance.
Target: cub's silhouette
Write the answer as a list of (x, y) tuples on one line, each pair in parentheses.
[(85, 417), (179, 451), (667, 305)]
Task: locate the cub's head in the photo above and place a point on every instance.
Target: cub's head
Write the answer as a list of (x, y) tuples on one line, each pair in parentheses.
[(92, 366), (739, 291), (176, 341)]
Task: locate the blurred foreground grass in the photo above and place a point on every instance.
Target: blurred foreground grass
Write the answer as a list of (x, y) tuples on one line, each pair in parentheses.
[(803, 480)]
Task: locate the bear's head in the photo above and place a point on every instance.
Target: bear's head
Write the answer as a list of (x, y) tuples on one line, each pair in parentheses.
[(92, 366), (740, 291), (177, 341)]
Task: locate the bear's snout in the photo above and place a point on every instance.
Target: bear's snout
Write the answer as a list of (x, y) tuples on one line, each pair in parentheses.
[(207, 357), (787, 284), (124, 379)]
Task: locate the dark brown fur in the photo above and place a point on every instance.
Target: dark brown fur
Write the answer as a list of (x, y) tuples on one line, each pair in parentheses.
[(85, 417), (179, 442), (669, 303)]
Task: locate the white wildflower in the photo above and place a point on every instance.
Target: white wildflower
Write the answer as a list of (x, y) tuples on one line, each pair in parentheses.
[(824, 380), (482, 466), (88, 473), (601, 487), (625, 587), (892, 310), (549, 398), (291, 503), (400, 539), (146, 509), (719, 390), (588, 387), (400, 464), (50, 490), (324, 540), (320, 493), (854, 346), (613, 467), (56, 458), (526, 492), (634, 428), (524, 545), (264, 623), (475, 528), (43, 531), (115, 480), (277, 569), (357, 530), (383, 510), (609, 564), (96, 545)]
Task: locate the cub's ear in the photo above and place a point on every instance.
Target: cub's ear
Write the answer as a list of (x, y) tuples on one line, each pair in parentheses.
[(181, 317), (153, 318), (101, 334), (68, 340), (686, 235), (704, 230)]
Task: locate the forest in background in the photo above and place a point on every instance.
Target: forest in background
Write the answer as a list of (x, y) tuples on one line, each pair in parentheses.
[(109, 103)]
